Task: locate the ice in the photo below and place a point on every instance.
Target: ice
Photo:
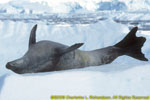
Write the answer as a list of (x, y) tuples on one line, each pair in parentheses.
[(115, 5), (72, 6)]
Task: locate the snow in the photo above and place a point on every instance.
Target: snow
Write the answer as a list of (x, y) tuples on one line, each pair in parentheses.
[(86, 82), (125, 76)]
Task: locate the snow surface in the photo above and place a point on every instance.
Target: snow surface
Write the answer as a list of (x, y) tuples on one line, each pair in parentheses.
[(85, 82), (125, 76)]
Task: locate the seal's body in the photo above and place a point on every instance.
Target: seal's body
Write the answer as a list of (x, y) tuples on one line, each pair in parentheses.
[(79, 59), (45, 56)]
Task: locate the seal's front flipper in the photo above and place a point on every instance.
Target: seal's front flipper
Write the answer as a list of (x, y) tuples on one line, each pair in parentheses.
[(131, 45), (32, 39), (72, 48)]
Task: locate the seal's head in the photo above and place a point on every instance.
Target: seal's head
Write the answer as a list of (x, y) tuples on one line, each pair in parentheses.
[(15, 65), (42, 56), (36, 59)]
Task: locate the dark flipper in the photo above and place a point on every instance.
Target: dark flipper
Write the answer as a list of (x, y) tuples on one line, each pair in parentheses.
[(32, 39), (71, 48), (132, 45)]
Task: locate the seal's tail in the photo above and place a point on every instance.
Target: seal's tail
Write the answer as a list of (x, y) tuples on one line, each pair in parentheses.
[(132, 45)]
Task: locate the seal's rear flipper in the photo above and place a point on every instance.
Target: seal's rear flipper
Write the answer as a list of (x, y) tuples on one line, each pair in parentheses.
[(132, 45)]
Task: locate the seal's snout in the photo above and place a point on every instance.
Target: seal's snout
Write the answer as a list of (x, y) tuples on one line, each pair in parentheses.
[(8, 65), (12, 66)]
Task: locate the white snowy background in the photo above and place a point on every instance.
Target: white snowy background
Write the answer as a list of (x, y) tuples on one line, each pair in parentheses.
[(96, 23)]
